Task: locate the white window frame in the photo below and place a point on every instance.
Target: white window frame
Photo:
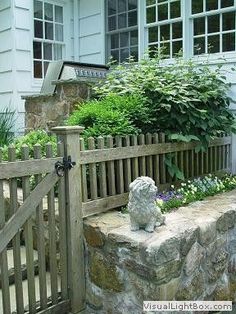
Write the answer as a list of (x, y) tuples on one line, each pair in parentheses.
[(188, 41), (119, 31), (43, 40)]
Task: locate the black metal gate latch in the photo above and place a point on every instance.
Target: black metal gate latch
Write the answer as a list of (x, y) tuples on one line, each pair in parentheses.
[(67, 164)]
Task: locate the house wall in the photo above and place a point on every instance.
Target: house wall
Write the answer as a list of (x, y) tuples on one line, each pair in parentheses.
[(91, 31), (6, 55), (16, 53)]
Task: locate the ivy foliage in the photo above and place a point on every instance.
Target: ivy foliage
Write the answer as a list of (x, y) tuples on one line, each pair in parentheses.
[(184, 100)]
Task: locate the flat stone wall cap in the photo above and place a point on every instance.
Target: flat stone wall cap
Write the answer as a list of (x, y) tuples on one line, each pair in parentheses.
[(67, 129), (83, 80), (34, 96)]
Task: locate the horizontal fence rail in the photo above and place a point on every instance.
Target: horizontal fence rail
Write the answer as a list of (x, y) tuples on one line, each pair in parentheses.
[(109, 165)]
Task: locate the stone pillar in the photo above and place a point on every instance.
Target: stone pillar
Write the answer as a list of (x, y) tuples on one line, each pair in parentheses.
[(47, 111)]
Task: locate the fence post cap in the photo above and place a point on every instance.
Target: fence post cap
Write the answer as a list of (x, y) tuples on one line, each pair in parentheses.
[(67, 129)]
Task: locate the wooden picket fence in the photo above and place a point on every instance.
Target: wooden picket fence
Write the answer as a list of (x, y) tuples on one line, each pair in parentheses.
[(99, 181), (110, 164), (55, 279)]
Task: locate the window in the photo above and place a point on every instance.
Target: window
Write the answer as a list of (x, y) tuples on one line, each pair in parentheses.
[(164, 24), (48, 35), (214, 26), (122, 29)]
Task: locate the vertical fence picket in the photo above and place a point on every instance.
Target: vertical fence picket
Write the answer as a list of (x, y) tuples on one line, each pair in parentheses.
[(62, 229), (92, 172), (196, 173), (149, 158), (127, 166), (181, 161), (16, 239), (119, 168), (207, 161), (84, 175), (6, 302), (223, 157), (215, 158), (52, 237), (135, 161), (156, 162), (28, 239), (186, 172), (202, 157), (211, 159), (162, 160), (102, 170), (176, 162), (192, 162), (142, 160), (40, 241), (111, 169)]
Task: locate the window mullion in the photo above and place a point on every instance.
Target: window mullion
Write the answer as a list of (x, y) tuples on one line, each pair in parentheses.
[(187, 29)]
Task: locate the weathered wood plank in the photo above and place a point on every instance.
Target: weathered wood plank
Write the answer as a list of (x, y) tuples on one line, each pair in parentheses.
[(75, 245), (28, 239), (84, 174), (52, 237), (110, 168), (92, 172), (127, 166), (162, 159), (156, 162), (134, 161), (149, 158), (40, 237), (26, 168), (119, 168), (102, 171), (62, 229), (16, 239), (6, 302), (62, 307), (112, 154), (142, 159)]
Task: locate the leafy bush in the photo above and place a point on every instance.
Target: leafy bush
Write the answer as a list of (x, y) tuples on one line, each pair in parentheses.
[(112, 115), (32, 138), (183, 99), (6, 125)]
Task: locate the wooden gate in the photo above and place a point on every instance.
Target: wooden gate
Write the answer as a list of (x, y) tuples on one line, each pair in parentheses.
[(43, 232)]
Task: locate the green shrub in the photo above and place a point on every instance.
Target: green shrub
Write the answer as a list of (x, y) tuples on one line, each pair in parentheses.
[(111, 115), (6, 125), (182, 98), (32, 138)]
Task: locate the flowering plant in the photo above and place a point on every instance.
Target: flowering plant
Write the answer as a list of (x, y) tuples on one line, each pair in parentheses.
[(194, 190)]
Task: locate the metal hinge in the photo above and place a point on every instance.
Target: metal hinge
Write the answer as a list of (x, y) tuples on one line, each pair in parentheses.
[(67, 164)]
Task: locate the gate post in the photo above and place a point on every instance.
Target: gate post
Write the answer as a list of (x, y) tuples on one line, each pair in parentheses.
[(70, 135)]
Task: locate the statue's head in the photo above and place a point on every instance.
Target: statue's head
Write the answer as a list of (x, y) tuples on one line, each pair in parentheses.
[(143, 187)]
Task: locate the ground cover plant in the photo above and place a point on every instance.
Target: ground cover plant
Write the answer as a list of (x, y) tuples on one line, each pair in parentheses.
[(194, 190)]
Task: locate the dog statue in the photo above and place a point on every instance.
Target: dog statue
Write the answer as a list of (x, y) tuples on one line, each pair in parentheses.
[(143, 211)]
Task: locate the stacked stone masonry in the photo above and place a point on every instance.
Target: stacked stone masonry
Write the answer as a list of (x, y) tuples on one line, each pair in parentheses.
[(192, 257), (47, 111)]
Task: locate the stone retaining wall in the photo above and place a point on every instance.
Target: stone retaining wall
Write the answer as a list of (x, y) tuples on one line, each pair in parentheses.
[(192, 257), (47, 111)]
